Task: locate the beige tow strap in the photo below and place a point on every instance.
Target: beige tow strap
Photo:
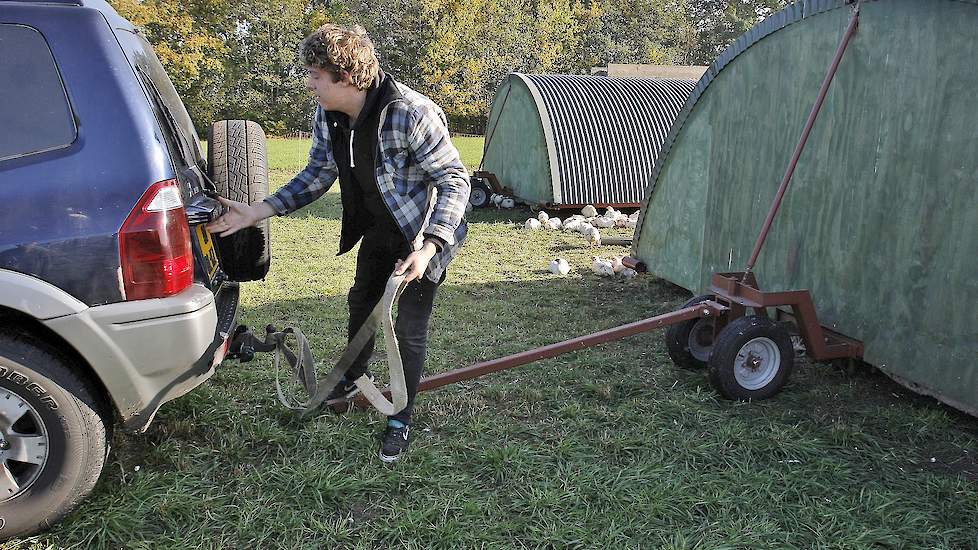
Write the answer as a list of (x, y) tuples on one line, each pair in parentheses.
[(304, 367)]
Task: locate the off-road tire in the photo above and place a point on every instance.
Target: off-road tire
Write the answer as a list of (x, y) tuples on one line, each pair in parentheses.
[(678, 337), (76, 434), (237, 162), (770, 376), (480, 194)]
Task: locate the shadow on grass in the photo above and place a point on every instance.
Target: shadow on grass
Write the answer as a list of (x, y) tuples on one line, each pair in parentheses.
[(475, 323), (552, 437)]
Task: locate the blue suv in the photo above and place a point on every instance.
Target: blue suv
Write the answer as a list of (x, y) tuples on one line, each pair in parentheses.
[(113, 297)]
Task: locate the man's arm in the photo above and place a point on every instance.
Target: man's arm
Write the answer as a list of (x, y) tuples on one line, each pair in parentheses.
[(432, 148), (431, 145), (317, 177), (310, 184)]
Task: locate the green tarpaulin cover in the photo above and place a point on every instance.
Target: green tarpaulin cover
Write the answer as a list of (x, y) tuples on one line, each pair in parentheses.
[(881, 219)]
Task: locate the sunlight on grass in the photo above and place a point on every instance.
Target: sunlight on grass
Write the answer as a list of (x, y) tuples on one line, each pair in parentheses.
[(608, 447)]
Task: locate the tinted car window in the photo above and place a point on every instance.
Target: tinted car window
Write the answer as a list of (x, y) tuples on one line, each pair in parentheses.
[(34, 112)]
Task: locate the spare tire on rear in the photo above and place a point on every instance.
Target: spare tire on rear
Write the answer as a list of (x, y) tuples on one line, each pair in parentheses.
[(237, 162)]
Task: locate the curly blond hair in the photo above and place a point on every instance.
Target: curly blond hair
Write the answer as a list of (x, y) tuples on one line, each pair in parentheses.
[(335, 49)]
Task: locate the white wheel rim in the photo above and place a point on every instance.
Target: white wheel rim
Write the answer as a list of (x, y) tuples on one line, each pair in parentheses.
[(700, 341), (478, 196), (757, 363), (23, 445)]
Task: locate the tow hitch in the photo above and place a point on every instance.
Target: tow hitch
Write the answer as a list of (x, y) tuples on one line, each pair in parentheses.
[(244, 343)]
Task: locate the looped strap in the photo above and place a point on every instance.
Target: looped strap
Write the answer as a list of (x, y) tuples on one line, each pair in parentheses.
[(304, 368)]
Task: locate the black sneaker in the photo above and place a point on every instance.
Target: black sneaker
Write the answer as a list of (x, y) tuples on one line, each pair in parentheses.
[(396, 441), (346, 389)]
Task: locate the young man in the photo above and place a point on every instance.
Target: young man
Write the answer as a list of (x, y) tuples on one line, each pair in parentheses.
[(403, 190)]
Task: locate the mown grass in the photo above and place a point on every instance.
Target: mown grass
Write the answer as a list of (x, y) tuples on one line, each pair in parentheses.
[(609, 447)]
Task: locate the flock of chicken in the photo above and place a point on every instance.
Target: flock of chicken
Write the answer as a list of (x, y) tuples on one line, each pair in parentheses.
[(603, 267), (587, 223)]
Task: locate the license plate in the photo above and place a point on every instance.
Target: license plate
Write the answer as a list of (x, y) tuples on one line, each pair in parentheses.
[(207, 251)]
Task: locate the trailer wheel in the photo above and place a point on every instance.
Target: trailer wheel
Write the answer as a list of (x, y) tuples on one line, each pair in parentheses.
[(752, 359), (690, 343), (480, 193), (237, 164)]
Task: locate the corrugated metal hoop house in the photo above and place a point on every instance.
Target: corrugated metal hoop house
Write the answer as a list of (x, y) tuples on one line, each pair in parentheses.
[(880, 222), (564, 141)]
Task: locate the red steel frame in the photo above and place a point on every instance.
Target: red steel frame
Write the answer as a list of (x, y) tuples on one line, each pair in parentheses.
[(734, 293)]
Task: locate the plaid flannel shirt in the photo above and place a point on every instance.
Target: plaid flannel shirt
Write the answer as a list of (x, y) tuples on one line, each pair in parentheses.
[(418, 171)]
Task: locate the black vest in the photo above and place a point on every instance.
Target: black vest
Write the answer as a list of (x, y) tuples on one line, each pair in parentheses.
[(363, 205)]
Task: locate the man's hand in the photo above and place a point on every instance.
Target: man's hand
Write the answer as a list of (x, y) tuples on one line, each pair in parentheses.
[(414, 265), (239, 216)]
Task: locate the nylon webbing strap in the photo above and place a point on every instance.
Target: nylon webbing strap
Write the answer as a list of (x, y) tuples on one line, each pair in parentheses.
[(304, 365)]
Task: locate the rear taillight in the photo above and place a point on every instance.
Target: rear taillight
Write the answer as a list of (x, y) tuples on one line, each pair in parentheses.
[(154, 245)]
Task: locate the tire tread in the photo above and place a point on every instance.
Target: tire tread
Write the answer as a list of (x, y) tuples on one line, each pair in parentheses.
[(239, 169), (728, 343), (60, 369)]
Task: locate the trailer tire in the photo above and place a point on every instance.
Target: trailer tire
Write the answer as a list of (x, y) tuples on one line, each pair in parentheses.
[(237, 163), (54, 450), (690, 343), (480, 194), (752, 359)]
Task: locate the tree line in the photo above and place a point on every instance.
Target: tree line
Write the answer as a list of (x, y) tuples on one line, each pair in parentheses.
[(239, 60)]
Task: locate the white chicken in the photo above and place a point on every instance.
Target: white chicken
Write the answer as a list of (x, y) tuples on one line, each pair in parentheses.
[(603, 222), (495, 199), (602, 267), (628, 273), (617, 265), (508, 203), (593, 236), (552, 223), (532, 224), (543, 217), (571, 225), (589, 211), (559, 266)]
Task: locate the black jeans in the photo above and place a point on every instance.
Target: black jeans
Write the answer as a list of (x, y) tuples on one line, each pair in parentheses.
[(379, 251)]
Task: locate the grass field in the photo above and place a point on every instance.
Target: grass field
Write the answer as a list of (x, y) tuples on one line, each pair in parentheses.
[(610, 447)]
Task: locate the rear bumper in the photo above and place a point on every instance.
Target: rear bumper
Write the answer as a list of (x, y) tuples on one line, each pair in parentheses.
[(148, 352)]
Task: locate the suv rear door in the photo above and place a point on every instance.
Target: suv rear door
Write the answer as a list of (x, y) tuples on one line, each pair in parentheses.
[(184, 148)]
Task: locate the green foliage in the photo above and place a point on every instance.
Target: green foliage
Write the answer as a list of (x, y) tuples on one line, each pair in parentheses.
[(185, 37), (239, 60), (265, 82), (717, 23)]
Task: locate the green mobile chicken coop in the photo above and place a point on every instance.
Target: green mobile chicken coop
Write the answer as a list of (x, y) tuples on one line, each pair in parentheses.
[(564, 141), (881, 220)]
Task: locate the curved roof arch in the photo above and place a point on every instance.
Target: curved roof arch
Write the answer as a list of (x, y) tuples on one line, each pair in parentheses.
[(601, 134)]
